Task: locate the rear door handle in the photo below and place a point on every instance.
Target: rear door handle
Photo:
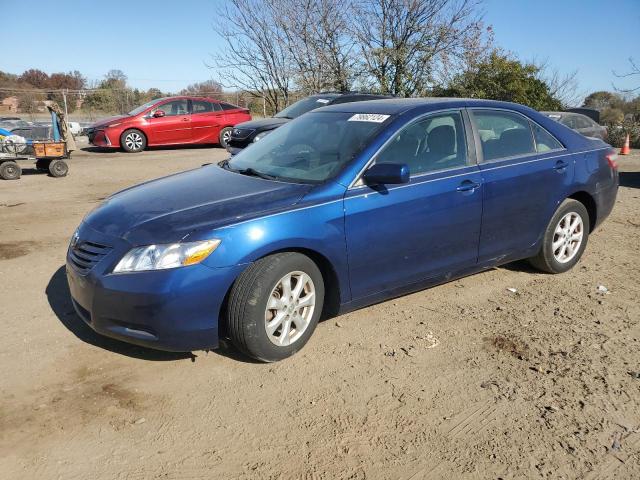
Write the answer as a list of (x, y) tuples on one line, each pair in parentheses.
[(467, 186), (560, 166)]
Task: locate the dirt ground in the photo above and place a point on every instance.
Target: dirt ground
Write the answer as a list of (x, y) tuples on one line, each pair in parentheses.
[(466, 380)]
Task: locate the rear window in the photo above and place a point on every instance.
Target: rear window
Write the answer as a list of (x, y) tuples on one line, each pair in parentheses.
[(228, 106), (503, 134)]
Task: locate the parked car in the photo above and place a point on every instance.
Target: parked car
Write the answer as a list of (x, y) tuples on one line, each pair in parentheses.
[(404, 194), (11, 123), (580, 123), (169, 121), (244, 134)]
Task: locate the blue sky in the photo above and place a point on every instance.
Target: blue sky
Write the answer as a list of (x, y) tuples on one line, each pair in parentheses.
[(167, 44)]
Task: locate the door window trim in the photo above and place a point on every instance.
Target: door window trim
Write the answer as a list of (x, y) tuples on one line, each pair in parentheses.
[(471, 154)]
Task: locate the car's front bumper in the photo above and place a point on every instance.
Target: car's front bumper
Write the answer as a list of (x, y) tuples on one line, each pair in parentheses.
[(175, 309), (100, 138)]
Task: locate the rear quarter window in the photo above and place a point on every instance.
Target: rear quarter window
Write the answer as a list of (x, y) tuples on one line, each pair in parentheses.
[(545, 142)]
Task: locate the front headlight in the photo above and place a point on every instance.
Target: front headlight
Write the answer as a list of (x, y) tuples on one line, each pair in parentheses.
[(261, 135), (160, 257)]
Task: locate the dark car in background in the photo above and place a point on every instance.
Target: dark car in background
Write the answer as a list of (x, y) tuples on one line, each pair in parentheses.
[(169, 121), (580, 123), (246, 133)]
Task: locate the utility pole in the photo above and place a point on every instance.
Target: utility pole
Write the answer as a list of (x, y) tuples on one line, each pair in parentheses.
[(64, 98)]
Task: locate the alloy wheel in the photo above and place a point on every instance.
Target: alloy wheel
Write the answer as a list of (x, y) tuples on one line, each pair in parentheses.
[(567, 237), (290, 308), (133, 141)]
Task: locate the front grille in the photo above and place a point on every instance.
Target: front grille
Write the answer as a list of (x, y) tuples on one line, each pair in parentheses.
[(85, 255)]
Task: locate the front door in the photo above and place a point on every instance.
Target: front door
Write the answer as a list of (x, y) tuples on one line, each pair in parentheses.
[(174, 127), (400, 234)]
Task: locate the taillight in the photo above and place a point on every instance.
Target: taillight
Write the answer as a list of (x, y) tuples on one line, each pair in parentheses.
[(611, 158)]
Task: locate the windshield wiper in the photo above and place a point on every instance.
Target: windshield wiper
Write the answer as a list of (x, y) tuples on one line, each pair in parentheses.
[(256, 173)]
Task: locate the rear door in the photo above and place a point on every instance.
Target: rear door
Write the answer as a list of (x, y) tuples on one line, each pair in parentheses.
[(207, 119), (525, 172), (174, 127)]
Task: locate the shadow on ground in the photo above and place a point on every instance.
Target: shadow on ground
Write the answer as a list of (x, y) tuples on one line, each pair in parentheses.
[(57, 292), (93, 149)]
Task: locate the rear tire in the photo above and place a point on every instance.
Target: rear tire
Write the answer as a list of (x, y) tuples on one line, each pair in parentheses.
[(133, 141), (565, 238), (274, 306), (225, 136), (10, 171), (58, 168)]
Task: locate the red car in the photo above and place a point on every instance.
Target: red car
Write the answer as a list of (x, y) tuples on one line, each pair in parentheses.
[(169, 121)]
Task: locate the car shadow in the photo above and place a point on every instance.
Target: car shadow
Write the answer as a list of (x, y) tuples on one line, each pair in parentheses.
[(57, 292), (93, 149), (630, 179)]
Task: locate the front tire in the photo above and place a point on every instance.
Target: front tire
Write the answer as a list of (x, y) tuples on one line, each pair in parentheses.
[(274, 306), (564, 239), (133, 141)]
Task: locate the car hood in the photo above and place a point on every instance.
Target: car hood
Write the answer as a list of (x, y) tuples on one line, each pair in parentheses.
[(168, 209), (263, 123), (107, 121)]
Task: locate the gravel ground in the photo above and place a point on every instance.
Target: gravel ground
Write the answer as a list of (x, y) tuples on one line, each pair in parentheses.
[(466, 380)]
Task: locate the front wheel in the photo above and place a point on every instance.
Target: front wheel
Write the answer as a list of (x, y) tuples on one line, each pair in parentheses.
[(225, 136), (133, 141), (275, 305), (564, 239)]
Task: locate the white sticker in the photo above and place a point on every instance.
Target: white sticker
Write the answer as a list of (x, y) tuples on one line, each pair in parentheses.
[(368, 117), (322, 100)]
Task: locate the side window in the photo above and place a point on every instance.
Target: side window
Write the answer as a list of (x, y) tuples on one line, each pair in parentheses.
[(503, 134), (201, 106), (228, 106), (435, 143), (569, 121), (545, 142), (176, 107), (216, 107), (583, 122)]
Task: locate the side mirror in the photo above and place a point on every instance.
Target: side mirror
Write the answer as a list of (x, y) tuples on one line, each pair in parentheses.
[(158, 113), (386, 173)]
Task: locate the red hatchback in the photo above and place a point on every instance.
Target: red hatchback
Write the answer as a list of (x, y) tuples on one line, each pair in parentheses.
[(169, 121)]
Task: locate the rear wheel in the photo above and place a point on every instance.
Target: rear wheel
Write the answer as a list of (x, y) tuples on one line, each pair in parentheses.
[(225, 136), (275, 305), (133, 141), (10, 171), (58, 168), (564, 239)]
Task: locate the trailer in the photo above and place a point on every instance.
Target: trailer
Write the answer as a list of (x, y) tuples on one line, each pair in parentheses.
[(48, 155)]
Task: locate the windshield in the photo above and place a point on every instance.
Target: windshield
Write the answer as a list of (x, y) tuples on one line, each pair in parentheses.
[(142, 108), (311, 149), (303, 106)]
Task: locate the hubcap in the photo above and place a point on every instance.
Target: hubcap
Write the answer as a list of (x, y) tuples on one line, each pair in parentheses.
[(567, 237), (290, 308), (226, 135), (133, 141)]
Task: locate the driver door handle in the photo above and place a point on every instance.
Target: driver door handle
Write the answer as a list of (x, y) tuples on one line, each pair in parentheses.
[(467, 186)]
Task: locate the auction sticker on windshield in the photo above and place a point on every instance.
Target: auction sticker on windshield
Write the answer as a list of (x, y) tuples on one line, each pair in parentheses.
[(368, 117)]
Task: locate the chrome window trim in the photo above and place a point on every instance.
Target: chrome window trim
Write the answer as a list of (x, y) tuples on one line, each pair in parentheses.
[(356, 183)]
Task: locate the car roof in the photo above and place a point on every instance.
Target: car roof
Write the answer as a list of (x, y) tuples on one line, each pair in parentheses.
[(394, 106)]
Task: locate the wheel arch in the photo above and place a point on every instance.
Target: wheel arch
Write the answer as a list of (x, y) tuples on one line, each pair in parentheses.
[(589, 203), (330, 277)]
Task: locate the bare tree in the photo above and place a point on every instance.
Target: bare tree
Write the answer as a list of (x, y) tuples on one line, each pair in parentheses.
[(317, 34), (633, 72), (563, 87), (404, 43), (255, 57)]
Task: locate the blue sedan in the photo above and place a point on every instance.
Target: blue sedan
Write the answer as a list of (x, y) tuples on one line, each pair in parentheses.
[(341, 208)]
